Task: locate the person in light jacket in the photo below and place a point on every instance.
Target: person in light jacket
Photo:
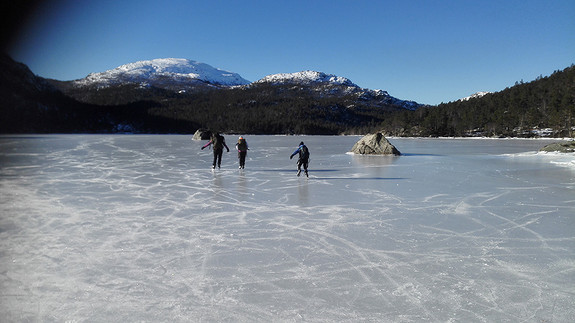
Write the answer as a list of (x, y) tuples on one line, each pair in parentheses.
[(242, 147)]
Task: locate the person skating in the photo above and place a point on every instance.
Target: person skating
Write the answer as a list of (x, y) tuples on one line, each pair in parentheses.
[(242, 147), (303, 159), (218, 143)]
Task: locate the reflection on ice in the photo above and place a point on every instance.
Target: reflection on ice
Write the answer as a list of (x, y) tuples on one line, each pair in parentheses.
[(139, 228)]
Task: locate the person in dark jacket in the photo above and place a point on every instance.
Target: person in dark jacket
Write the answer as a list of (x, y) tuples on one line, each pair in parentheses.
[(218, 143), (303, 159), (242, 147)]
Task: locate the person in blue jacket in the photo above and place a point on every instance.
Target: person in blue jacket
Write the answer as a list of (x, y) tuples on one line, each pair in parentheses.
[(303, 159)]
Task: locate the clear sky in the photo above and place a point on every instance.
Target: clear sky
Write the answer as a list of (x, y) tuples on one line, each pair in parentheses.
[(429, 51)]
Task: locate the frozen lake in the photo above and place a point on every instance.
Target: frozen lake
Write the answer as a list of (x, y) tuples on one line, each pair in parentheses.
[(131, 228)]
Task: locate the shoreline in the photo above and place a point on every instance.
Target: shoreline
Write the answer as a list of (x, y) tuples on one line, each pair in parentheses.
[(280, 135)]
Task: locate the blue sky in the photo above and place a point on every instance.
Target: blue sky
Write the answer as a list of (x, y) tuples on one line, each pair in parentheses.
[(426, 51)]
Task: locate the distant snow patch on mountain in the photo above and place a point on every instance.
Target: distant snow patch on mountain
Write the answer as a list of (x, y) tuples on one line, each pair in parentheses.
[(474, 96), (159, 71), (329, 84), (306, 77)]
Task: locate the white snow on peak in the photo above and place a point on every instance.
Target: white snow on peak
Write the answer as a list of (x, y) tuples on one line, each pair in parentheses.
[(320, 78), (306, 77), (157, 69), (181, 74), (474, 96)]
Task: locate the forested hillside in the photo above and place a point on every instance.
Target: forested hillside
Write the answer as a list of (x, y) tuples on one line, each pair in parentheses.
[(32, 104), (520, 111), (270, 109), (260, 108)]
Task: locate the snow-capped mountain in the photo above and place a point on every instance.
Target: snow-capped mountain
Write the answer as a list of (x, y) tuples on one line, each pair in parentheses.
[(171, 73), (184, 75), (329, 84), (474, 96), (306, 77)]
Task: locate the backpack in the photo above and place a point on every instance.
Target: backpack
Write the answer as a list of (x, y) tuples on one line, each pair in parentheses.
[(304, 153), (242, 145), (218, 142)]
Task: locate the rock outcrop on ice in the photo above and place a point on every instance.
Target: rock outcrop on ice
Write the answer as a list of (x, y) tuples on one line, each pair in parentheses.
[(374, 144), (202, 134), (562, 147)]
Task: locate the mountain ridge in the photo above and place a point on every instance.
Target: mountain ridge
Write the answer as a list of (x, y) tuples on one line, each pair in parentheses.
[(306, 77), (305, 102), (475, 95), (185, 75), (162, 72)]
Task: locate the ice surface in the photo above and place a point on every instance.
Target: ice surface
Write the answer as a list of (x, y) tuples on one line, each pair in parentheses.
[(139, 228)]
